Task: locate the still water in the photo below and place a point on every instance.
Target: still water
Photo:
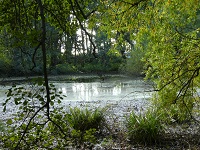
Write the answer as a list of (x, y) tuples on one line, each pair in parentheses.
[(125, 91), (111, 89)]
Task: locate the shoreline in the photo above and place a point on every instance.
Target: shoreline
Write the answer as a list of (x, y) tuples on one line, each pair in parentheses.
[(67, 78)]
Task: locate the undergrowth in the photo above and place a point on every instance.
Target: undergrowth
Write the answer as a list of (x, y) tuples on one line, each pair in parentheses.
[(144, 128)]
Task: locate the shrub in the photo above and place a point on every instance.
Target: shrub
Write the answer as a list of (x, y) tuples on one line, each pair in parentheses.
[(144, 128), (64, 68), (93, 67)]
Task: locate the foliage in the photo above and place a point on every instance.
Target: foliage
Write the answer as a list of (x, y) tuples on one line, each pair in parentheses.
[(86, 119), (144, 128), (173, 59), (77, 128), (64, 69), (134, 65), (2, 126), (86, 125), (115, 59), (92, 67), (168, 32), (64, 42), (29, 126), (179, 111), (5, 61), (36, 31), (84, 140)]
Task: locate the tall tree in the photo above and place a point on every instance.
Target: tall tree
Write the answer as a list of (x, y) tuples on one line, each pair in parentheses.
[(171, 31)]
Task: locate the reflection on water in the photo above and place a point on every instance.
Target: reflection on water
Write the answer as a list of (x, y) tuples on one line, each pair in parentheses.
[(108, 90), (123, 94)]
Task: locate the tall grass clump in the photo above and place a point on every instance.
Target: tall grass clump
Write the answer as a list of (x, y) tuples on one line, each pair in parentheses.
[(144, 128), (85, 119), (86, 125)]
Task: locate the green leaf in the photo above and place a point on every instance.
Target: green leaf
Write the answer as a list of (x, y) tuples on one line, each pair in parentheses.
[(30, 95), (9, 121), (25, 102), (51, 103), (12, 139), (4, 108), (41, 99), (52, 85), (52, 97), (59, 101)]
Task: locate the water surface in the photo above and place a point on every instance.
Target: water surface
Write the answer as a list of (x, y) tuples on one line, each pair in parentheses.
[(111, 89), (120, 93)]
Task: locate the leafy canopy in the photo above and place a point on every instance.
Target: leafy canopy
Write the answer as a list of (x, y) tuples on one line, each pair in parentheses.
[(168, 32)]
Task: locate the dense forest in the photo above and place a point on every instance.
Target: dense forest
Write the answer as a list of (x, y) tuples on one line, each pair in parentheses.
[(73, 45), (158, 39)]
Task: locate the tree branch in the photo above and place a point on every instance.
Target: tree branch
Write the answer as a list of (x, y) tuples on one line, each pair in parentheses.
[(82, 27), (185, 36), (134, 4), (34, 53), (60, 24), (85, 16), (24, 132)]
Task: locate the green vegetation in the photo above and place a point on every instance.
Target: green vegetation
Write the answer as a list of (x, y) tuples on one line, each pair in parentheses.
[(145, 128), (87, 126), (2, 126), (84, 119), (81, 128), (61, 37), (134, 65)]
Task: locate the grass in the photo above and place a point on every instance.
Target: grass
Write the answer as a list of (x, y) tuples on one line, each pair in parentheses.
[(87, 129), (144, 128), (85, 119), (87, 126)]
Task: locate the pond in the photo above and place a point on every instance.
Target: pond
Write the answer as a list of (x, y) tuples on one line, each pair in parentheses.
[(123, 92), (114, 89)]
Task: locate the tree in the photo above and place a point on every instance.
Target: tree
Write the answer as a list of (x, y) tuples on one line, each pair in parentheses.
[(171, 31), (25, 23)]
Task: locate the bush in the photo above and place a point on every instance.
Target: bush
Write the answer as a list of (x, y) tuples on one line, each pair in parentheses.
[(93, 67), (64, 68), (5, 64), (144, 128)]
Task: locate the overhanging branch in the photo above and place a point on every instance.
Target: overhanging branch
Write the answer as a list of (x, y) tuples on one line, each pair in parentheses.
[(85, 16)]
